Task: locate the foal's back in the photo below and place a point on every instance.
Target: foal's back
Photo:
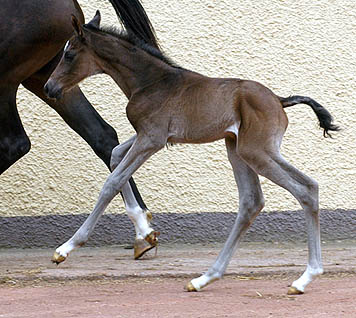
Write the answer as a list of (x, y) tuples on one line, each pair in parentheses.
[(206, 109)]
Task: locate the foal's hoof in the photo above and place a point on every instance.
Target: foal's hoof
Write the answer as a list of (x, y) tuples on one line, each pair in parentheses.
[(294, 291), (190, 288), (57, 258), (141, 247)]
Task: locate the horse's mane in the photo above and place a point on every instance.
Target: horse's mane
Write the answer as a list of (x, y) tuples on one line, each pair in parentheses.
[(128, 36), (134, 19)]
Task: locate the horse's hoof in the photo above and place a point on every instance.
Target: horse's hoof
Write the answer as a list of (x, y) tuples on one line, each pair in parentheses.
[(190, 288), (294, 291), (57, 258), (152, 238), (141, 247)]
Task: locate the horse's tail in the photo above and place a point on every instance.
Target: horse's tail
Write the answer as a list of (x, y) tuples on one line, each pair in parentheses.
[(325, 118), (134, 19)]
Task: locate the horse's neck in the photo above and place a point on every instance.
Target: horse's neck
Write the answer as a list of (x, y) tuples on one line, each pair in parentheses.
[(132, 68)]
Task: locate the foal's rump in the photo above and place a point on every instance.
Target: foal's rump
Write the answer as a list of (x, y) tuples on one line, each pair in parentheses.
[(258, 107), (264, 104)]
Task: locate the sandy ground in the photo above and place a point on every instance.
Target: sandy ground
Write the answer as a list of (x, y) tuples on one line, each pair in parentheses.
[(165, 297), (106, 282)]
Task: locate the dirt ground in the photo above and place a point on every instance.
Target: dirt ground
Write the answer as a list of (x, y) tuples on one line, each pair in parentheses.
[(165, 297), (106, 282)]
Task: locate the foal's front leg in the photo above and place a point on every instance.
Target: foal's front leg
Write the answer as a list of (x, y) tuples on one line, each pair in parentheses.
[(80, 115), (141, 149), (146, 237)]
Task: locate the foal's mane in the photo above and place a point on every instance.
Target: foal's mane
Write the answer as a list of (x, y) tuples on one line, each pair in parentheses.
[(137, 29)]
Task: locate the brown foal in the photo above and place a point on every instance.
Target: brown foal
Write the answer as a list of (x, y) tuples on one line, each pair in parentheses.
[(169, 104)]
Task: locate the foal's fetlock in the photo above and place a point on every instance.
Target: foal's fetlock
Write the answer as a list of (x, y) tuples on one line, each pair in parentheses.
[(149, 216)]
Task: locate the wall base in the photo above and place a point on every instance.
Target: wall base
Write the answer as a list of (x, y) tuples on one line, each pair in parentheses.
[(51, 231)]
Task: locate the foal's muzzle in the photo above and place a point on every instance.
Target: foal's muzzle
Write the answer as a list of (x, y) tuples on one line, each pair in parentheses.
[(52, 90)]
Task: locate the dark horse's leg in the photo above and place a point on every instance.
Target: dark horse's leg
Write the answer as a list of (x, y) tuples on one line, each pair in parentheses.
[(14, 142), (79, 114)]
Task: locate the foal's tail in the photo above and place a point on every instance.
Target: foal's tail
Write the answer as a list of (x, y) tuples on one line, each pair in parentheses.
[(325, 118)]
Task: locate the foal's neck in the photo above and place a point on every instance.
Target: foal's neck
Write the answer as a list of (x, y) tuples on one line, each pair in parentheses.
[(131, 67)]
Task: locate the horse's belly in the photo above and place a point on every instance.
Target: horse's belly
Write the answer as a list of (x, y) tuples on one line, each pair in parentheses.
[(199, 135)]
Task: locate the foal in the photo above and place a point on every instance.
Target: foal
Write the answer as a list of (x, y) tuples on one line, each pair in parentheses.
[(168, 104)]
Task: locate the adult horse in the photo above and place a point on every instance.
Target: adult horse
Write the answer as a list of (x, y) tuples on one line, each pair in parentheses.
[(33, 34)]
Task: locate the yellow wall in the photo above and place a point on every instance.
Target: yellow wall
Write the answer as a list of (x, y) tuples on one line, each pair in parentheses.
[(293, 47)]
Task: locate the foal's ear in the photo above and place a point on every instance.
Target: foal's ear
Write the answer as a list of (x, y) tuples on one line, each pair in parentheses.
[(95, 22), (77, 27)]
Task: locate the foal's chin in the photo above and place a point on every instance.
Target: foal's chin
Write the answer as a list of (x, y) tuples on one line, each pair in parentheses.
[(56, 97)]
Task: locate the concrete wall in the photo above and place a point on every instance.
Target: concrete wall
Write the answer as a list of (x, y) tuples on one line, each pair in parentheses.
[(293, 47)]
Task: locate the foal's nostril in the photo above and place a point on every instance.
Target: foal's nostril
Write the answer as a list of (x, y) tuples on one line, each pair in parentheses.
[(52, 91)]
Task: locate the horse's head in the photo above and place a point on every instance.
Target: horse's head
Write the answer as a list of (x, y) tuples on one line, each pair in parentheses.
[(77, 62)]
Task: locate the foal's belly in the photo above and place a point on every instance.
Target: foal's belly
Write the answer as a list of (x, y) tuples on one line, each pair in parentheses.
[(199, 135)]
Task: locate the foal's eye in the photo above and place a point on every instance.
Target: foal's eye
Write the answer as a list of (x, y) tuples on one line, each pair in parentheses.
[(69, 56)]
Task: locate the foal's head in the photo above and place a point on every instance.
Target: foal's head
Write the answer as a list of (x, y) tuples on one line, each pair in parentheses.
[(78, 61)]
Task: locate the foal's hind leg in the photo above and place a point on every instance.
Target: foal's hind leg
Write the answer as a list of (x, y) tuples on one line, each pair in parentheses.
[(251, 202), (267, 161)]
